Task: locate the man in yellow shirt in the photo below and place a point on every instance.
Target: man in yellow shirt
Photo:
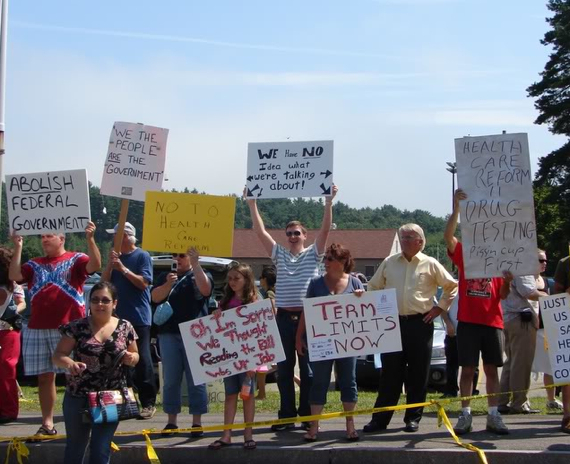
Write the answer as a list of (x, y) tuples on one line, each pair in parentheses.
[(416, 277)]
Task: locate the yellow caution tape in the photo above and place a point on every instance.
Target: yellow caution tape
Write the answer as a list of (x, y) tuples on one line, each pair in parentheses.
[(150, 452), (19, 448)]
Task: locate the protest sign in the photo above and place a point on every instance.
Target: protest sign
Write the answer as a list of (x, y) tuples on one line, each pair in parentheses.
[(339, 326), (555, 310), (135, 161), (498, 228), (289, 169), (48, 202), (239, 340), (173, 222)]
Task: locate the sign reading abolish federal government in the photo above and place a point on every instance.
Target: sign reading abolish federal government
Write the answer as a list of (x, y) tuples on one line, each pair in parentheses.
[(289, 169), (555, 310), (339, 326), (498, 228), (48, 202), (238, 340), (135, 161)]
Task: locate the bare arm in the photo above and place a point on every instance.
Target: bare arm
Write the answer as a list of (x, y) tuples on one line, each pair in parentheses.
[(15, 270), (62, 359), (264, 237), (451, 226), (161, 292), (299, 341), (506, 285), (93, 252), (116, 264), (204, 284), (322, 237)]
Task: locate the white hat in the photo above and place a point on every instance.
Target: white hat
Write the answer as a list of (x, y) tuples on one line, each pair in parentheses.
[(129, 229)]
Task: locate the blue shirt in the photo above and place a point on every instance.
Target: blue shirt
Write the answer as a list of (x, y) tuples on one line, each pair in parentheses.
[(133, 303)]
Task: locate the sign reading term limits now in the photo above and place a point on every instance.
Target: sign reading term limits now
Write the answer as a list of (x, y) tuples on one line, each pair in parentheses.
[(289, 169)]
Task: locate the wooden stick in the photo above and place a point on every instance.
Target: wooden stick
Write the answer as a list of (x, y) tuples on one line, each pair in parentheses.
[(121, 226)]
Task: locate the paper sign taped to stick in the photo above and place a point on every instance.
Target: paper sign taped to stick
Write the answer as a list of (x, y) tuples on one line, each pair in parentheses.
[(498, 227), (340, 326), (289, 169), (239, 340), (555, 310), (173, 222), (135, 161), (48, 202)]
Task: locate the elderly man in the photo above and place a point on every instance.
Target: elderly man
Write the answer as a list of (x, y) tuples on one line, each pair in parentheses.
[(415, 277), (131, 272), (55, 284)]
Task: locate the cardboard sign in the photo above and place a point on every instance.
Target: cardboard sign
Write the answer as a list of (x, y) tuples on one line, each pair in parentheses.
[(135, 161), (289, 169), (340, 326), (173, 222), (555, 310), (498, 228), (48, 202), (239, 340)]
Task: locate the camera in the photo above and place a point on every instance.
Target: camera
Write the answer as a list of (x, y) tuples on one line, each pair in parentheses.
[(174, 266)]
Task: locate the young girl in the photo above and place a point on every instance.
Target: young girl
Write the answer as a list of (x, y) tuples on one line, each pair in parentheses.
[(239, 291)]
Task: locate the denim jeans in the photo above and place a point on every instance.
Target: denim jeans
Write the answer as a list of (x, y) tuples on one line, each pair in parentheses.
[(144, 380), (287, 323), (345, 377), (78, 434), (174, 364)]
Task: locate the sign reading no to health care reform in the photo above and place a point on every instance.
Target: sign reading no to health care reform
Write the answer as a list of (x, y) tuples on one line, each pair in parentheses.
[(289, 169), (48, 202), (135, 161), (339, 326), (173, 222), (498, 228), (239, 340), (555, 310)]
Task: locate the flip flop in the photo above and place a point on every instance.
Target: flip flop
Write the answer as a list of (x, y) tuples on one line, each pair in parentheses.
[(166, 430), (197, 433), (249, 445), (353, 436), (218, 445), (310, 438)]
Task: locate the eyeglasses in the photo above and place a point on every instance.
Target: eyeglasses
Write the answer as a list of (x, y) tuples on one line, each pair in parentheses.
[(290, 233), (96, 301), (179, 255), (542, 261)]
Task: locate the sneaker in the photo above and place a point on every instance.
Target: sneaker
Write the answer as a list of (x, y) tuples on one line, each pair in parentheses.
[(281, 427), (148, 412), (495, 424), (464, 424), (554, 404)]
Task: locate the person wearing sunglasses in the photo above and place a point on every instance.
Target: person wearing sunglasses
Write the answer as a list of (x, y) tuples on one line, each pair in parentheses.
[(296, 265)]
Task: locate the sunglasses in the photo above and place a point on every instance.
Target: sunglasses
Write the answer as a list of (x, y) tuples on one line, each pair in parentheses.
[(330, 258), (96, 301), (179, 255), (291, 233), (542, 261)]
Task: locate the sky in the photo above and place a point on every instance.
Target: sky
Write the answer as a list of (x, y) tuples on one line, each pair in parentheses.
[(392, 82)]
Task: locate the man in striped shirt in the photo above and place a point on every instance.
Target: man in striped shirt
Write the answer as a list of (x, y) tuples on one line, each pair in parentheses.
[(295, 268)]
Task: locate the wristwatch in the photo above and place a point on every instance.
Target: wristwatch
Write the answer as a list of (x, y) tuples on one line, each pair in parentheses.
[(126, 271)]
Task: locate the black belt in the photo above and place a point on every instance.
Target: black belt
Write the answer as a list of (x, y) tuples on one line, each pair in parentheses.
[(293, 315), (413, 316)]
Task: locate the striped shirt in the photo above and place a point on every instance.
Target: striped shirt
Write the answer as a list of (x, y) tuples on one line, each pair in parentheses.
[(294, 274)]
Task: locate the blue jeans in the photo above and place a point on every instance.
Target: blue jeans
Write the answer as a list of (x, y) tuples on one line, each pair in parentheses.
[(78, 434), (346, 379), (174, 364), (287, 323)]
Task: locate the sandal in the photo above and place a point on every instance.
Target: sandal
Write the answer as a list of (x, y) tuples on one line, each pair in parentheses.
[(310, 438), (249, 445), (197, 433), (42, 431), (352, 436), (166, 430), (218, 445)]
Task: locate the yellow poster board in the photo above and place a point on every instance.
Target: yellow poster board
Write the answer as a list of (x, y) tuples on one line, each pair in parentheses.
[(173, 222)]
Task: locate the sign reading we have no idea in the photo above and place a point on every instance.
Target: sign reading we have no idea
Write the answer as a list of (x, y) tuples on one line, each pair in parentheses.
[(555, 311), (340, 326), (289, 169), (48, 202)]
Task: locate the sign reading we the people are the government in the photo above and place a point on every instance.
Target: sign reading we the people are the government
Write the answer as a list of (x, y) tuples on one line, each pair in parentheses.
[(340, 326), (555, 311), (498, 228)]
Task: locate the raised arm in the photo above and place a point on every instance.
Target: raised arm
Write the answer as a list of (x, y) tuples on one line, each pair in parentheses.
[(202, 282), (322, 237), (258, 226), (93, 252), (15, 270), (451, 226)]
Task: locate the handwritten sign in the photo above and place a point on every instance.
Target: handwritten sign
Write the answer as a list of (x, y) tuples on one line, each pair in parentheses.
[(48, 202), (241, 339), (339, 326), (555, 310), (135, 161), (175, 221), (498, 228), (289, 169)]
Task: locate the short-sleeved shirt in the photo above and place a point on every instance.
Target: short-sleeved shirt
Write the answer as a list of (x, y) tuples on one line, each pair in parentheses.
[(294, 272), (186, 301), (134, 303), (55, 286), (517, 301), (562, 274), (98, 357), (318, 287), (479, 299)]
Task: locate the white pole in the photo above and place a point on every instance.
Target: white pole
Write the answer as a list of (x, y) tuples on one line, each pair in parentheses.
[(3, 43)]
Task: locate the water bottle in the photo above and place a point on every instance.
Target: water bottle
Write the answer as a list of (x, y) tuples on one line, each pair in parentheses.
[(245, 392)]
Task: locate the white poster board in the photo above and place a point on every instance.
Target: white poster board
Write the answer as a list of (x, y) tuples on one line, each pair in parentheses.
[(239, 340), (555, 310), (135, 161), (498, 228), (340, 326), (289, 169), (48, 202)]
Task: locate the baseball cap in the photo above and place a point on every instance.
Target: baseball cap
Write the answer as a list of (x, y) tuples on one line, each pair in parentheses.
[(129, 229)]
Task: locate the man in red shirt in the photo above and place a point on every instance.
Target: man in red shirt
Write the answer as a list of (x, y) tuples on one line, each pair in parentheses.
[(479, 329), (55, 286)]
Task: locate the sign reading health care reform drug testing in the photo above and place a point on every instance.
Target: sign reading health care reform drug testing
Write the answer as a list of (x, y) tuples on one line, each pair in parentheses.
[(555, 310)]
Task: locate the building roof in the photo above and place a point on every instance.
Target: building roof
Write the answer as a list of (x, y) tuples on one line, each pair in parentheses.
[(362, 243)]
